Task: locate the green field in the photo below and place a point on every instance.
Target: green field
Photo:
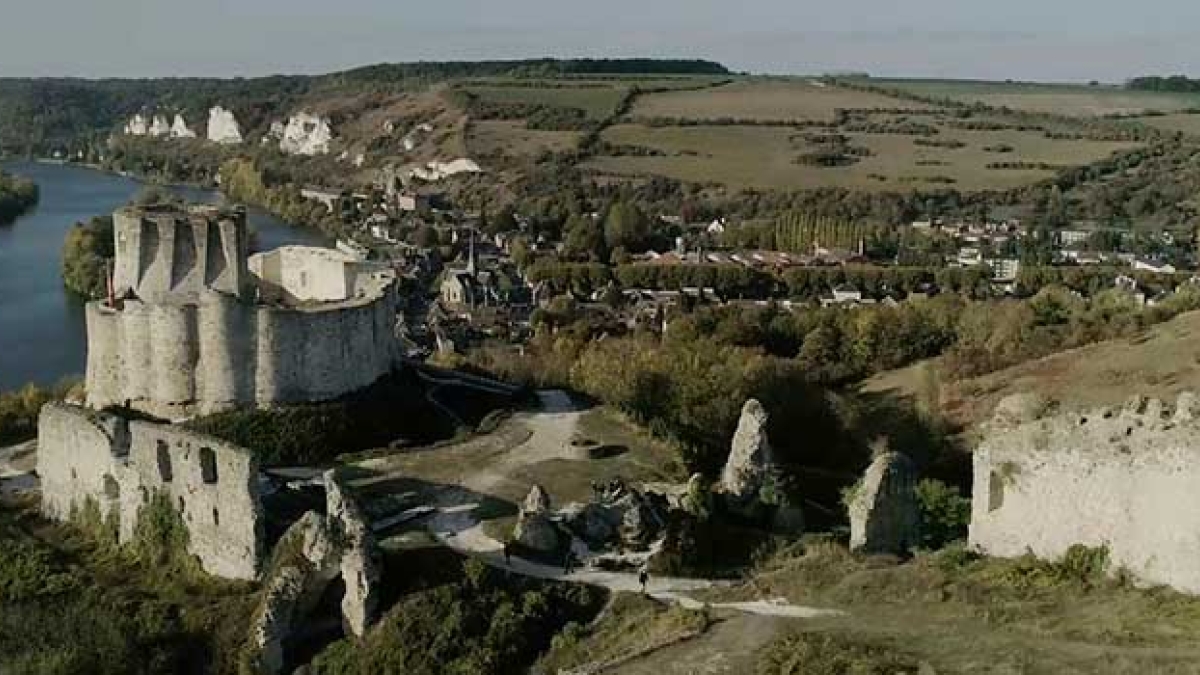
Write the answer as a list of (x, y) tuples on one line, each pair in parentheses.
[(1063, 99), (763, 157), (508, 138), (597, 101), (764, 99)]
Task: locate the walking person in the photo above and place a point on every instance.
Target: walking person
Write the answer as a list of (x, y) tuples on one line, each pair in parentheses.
[(643, 577)]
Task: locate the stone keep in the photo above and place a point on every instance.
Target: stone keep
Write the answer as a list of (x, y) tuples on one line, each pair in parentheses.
[(1122, 478), (750, 457), (119, 465), (198, 327), (167, 254), (884, 516)]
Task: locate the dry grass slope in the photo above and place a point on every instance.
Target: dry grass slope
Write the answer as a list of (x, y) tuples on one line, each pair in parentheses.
[(1162, 361)]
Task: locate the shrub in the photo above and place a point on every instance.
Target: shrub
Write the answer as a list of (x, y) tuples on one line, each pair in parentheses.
[(945, 513), (816, 654)]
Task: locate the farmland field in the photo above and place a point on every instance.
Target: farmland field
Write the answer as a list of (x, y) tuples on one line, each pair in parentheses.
[(765, 100), (1063, 99), (598, 101), (764, 158), (1185, 123), (511, 138)]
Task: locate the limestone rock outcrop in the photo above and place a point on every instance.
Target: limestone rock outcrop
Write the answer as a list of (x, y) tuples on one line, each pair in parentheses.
[(137, 125), (313, 552), (180, 128), (159, 127), (223, 127), (750, 458), (306, 134), (535, 530), (618, 514), (884, 514), (1122, 478)]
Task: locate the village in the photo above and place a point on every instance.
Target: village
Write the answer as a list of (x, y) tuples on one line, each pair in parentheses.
[(485, 283)]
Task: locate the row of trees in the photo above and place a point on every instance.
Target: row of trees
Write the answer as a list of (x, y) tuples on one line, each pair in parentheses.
[(585, 278)]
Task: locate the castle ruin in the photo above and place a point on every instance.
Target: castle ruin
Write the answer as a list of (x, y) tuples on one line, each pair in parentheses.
[(1124, 479), (120, 465), (194, 325)]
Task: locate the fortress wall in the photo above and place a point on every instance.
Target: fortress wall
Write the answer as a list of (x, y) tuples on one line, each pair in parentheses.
[(104, 373), (225, 371), (174, 353), (134, 330), (1123, 479), (176, 360), (85, 455)]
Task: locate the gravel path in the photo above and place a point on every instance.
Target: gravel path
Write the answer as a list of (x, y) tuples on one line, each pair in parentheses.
[(455, 525)]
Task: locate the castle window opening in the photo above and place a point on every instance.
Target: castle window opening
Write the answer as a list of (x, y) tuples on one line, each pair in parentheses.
[(165, 471), (995, 491), (112, 489), (208, 466)]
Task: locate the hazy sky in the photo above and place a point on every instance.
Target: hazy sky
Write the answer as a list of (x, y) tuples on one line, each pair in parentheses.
[(1027, 39)]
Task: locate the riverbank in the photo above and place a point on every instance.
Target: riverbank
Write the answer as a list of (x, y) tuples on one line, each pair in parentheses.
[(17, 197)]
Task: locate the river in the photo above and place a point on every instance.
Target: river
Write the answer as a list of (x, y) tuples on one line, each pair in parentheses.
[(42, 330)]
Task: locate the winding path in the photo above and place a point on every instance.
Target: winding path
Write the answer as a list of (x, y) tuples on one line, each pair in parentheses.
[(455, 525)]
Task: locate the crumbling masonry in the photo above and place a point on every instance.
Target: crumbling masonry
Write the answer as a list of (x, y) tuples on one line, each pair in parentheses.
[(120, 464), (1122, 478)]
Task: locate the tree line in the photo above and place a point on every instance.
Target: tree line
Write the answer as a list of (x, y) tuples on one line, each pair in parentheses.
[(17, 195)]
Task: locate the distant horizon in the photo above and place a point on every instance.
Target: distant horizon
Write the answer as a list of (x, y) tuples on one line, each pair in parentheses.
[(847, 72), (1068, 41)]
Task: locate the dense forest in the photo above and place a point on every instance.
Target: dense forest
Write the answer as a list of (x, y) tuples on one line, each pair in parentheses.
[(17, 195)]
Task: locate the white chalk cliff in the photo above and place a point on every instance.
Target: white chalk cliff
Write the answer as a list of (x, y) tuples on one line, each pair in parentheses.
[(306, 134), (223, 127), (159, 126), (180, 129), (436, 170), (137, 125)]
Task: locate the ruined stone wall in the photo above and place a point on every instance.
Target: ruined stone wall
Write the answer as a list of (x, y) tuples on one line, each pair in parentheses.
[(176, 360), (1124, 478), (120, 464)]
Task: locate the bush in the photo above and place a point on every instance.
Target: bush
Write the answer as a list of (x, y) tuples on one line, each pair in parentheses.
[(483, 622), (816, 654), (945, 513)]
